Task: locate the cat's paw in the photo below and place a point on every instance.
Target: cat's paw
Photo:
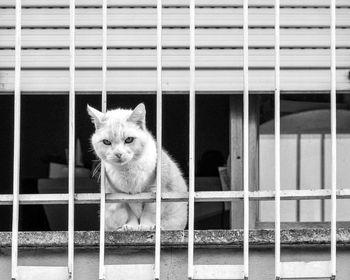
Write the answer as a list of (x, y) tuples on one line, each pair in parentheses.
[(147, 227), (127, 227)]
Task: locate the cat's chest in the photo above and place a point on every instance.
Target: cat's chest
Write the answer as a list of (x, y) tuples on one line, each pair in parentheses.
[(132, 180)]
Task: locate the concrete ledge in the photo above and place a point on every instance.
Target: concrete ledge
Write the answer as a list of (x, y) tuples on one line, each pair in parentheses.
[(261, 238)]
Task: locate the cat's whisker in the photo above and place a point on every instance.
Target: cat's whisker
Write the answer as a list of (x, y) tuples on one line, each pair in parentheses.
[(96, 172), (97, 169)]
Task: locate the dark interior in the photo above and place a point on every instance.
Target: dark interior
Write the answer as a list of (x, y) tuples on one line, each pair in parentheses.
[(44, 138)]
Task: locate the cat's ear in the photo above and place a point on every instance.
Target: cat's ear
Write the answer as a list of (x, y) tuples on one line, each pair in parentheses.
[(96, 116), (138, 116)]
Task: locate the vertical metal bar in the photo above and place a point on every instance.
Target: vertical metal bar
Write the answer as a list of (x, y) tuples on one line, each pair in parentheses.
[(71, 156), (298, 175), (16, 145), (159, 139), (277, 143), (192, 140), (246, 138), (334, 138), (323, 170), (102, 225), (104, 108)]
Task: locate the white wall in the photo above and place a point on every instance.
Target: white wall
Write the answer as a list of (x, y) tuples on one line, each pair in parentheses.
[(173, 261)]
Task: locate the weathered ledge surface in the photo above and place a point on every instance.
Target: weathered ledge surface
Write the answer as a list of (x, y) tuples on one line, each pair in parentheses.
[(260, 238)]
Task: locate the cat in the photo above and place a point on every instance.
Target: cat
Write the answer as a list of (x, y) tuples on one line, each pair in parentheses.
[(128, 151)]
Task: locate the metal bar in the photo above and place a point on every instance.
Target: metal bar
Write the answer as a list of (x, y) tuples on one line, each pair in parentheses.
[(204, 196), (298, 174), (16, 145), (102, 202), (334, 139), (246, 138), (159, 141), (322, 179), (192, 96), (71, 156), (103, 171), (277, 144)]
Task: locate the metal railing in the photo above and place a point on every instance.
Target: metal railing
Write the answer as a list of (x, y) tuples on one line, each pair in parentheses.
[(195, 271)]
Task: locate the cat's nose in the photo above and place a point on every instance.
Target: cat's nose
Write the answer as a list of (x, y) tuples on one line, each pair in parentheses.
[(118, 155)]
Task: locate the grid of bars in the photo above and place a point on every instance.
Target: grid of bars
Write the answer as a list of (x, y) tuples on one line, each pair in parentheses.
[(282, 270)]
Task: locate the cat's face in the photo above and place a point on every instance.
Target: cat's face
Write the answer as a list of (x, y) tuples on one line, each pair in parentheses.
[(120, 135)]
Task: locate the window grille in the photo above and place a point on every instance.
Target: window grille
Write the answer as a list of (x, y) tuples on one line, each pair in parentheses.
[(283, 270)]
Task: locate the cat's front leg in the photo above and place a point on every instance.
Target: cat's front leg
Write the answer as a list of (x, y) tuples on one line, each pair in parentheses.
[(116, 215), (132, 224), (148, 217)]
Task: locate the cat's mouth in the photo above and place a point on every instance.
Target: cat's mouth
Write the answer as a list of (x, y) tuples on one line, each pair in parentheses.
[(120, 161), (117, 161)]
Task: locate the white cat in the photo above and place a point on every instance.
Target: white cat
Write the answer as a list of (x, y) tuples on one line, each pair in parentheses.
[(128, 151)]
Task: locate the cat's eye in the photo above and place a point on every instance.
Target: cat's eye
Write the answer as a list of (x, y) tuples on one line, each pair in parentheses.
[(106, 142), (129, 140)]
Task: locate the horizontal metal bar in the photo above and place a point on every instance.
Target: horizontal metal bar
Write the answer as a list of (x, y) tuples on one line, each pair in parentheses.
[(270, 195), (81, 198), (202, 196)]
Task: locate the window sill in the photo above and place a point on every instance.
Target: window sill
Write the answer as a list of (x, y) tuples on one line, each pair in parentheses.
[(260, 238)]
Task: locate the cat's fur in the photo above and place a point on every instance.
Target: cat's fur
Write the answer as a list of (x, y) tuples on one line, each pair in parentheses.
[(134, 171)]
